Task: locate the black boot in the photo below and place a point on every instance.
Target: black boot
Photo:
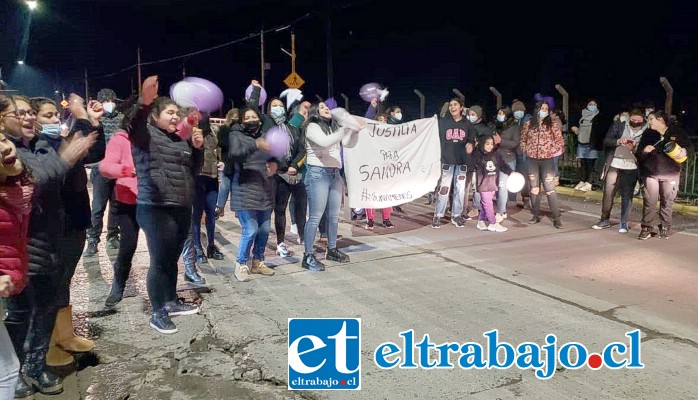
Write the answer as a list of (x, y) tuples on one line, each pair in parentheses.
[(23, 389), (312, 264), (201, 257), (46, 382), (191, 275), (115, 295), (664, 231), (91, 248), (212, 251), (336, 255)]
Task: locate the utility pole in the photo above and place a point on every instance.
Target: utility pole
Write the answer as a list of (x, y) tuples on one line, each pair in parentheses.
[(140, 80), (262, 56), (87, 88), (328, 48)]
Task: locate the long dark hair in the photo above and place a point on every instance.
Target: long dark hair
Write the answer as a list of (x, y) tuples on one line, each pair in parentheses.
[(314, 116), (547, 122)]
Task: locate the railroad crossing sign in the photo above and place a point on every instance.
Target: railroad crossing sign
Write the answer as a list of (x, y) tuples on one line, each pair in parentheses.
[(294, 81)]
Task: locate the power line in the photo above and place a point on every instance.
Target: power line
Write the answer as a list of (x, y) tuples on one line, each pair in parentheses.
[(277, 28)]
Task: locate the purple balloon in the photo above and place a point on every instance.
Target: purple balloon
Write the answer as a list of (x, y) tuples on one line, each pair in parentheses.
[(262, 95), (278, 140), (370, 91), (198, 93), (331, 103)]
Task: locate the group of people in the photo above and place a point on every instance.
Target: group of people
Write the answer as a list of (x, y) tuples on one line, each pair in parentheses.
[(159, 168)]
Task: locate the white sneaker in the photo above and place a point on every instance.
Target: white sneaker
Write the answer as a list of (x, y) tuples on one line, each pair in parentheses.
[(242, 272), (282, 250), (481, 225), (294, 229), (499, 217), (586, 187), (579, 185), (497, 227)]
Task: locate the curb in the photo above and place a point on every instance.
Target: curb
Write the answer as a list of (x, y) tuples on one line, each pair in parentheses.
[(597, 195)]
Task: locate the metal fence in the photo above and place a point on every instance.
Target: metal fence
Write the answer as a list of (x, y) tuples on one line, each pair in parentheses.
[(569, 170)]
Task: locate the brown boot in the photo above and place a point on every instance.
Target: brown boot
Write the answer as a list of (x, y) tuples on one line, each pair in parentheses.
[(259, 267), (66, 337), (57, 357)]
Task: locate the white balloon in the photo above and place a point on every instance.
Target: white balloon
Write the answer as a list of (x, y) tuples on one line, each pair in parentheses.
[(344, 119), (515, 182), (181, 94)]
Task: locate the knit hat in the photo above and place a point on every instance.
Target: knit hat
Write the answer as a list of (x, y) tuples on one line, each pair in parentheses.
[(476, 109), (517, 105), (106, 94)]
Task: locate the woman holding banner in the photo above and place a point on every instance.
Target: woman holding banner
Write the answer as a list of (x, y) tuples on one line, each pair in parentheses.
[(323, 183)]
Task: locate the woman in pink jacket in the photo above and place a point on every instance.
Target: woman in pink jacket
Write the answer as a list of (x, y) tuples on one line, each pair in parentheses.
[(118, 164)]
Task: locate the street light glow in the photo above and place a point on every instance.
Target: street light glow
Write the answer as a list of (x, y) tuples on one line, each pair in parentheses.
[(20, 62), (32, 4)]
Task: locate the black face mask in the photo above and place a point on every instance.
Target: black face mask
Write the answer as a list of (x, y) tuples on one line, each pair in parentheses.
[(252, 128), (635, 124)]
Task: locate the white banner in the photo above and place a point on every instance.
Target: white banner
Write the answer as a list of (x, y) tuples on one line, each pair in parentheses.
[(389, 165)]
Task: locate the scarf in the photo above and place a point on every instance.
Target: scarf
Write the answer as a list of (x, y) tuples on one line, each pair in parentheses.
[(628, 133), (585, 123)]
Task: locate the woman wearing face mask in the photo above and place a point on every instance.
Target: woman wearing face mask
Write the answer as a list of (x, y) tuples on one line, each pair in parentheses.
[(590, 136), (541, 139), (252, 193), (77, 207), (481, 128), (508, 134), (660, 172), (165, 168), (393, 117), (36, 306), (323, 183), (289, 179), (16, 188), (620, 170)]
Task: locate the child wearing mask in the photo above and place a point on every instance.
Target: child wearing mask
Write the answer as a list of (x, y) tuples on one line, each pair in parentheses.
[(488, 164)]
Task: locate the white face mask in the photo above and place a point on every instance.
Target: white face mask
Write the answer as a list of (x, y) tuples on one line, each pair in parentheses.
[(501, 118), (472, 118), (398, 116), (109, 107), (542, 114)]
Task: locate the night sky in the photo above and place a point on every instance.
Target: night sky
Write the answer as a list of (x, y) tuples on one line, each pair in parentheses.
[(609, 51)]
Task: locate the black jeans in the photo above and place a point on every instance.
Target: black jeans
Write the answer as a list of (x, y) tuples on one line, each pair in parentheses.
[(618, 181), (34, 307), (69, 252), (205, 198), (166, 228), (545, 169), (102, 192), (284, 190), (126, 215), (664, 190)]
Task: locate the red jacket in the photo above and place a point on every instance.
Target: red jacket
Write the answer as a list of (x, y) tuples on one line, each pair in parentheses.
[(118, 164), (15, 208)]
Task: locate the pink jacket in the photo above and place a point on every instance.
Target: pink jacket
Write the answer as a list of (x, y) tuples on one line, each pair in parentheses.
[(118, 164)]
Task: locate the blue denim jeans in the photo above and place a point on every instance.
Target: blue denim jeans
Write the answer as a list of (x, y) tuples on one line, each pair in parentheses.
[(448, 174), (502, 193), (224, 190), (255, 231), (324, 187), (9, 364)]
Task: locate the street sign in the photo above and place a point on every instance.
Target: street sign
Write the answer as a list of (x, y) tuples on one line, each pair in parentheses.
[(294, 81), (64, 103)]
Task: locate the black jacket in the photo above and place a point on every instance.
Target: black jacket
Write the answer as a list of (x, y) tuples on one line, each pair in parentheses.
[(656, 163), (165, 163), (251, 188), (48, 218)]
